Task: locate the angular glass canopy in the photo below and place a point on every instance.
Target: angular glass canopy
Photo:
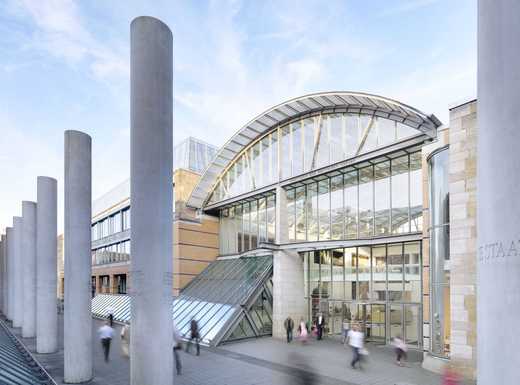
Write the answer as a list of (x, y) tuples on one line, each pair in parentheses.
[(231, 299)]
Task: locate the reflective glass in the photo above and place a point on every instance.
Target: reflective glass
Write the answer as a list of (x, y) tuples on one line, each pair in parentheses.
[(325, 273), (324, 209), (297, 148), (309, 143), (352, 135), (254, 225), (338, 280), (412, 323), (336, 207), (246, 222), (266, 160), (312, 212), (396, 321), (395, 272), (322, 142), (271, 218), (363, 267), (369, 139), (416, 218), (366, 202), (301, 224), (274, 157), (262, 220), (285, 153), (350, 272), (400, 222), (351, 204), (238, 228), (382, 198), (379, 273), (412, 272), (336, 137), (314, 274), (386, 132), (291, 214)]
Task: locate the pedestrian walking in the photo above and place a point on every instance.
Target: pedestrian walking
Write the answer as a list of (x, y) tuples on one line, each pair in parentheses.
[(194, 335), (400, 349), (355, 340), (289, 326), (302, 331), (345, 326), (177, 345), (450, 377), (125, 341), (106, 333), (110, 316), (320, 325)]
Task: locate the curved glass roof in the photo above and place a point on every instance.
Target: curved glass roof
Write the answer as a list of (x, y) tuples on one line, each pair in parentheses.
[(371, 108)]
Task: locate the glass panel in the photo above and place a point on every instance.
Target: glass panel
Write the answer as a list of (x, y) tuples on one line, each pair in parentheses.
[(382, 198), (291, 214), (412, 272), (336, 138), (232, 231), (396, 321), (274, 157), (378, 323), (285, 152), (312, 212), (309, 142), (262, 220), (411, 324), (379, 273), (404, 131), (266, 155), (325, 273), (322, 142), (351, 205), (324, 209), (297, 148), (238, 228), (256, 161), (366, 202), (416, 218), (351, 135), (337, 274), (369, 138), (350, 273), (314, 274), (271, 218), (246, 223), (395, 272), (336, 207), (400, 222), (301, 226), (363, 259), (386, 132)]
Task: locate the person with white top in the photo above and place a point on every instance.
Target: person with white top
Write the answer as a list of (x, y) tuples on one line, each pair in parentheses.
[(106, 333), (110, 315), (400, 349), (355, 340), (177, 341)]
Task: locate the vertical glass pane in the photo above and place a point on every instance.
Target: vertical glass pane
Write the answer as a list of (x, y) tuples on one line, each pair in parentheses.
[(366, 202), (232, 231), (256, 161), (274, 157), (369, 133), (291, 214), (336, 207), (322, 139), (351, 205), (351, 135), (285, 152), (412, 272), (325, 273), (309, 141), (301, 227), (312, 212), (416, 218), (404, 131), (396, 321), (271, 218), (238, 227), (395, 272), (254, 225), (266, 160), (386, 132), (324, 209), (350, 273), (400, 222), (246, 223), (297, 148), (382, 198), (262, 220), (411, 324), (336, 138), (379, 273), (363, 259), (338, 260), (314, 274)]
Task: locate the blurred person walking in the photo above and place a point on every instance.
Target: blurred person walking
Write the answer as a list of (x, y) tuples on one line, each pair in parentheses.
[(125, 341), (450, 377), (345, 326), (302, 331), (110, 316), (194, 335), (106, 333), (289, 326), (177, 345), (355, 340), (400, 349), (320, 325)]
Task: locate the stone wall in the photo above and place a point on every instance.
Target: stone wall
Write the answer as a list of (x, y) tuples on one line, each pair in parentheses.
[(463, 236)]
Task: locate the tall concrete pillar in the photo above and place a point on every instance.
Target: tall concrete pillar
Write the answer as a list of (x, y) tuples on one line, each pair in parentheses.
[(2, 271), (17, 273), (29, 269), (498, 188), (10, 272), (46, 264), (151, 164), (78, 202)]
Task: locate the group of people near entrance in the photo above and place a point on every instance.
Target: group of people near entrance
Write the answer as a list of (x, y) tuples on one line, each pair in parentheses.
[(353, 336), (106, 334)]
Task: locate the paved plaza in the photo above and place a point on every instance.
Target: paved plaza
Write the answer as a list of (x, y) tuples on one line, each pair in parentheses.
[(256, 362)]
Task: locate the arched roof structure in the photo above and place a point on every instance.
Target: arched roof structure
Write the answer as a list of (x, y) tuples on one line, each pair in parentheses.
[(297, 108)]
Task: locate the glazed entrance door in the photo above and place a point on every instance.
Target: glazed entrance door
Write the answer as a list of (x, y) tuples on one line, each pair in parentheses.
[(372, 320)]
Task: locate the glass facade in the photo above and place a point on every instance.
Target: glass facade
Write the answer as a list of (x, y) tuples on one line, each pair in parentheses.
[(376, 200), (245, 225), (116, 252), (378, 287), (305, 145), (439, 254), (193, 154)]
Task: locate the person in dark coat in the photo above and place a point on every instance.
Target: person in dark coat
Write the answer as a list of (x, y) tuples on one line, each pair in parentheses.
[(289, 326), (320, 325), (194, 335)]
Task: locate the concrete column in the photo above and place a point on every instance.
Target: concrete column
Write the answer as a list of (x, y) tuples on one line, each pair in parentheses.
[(151, 164), (77, 235), (29, 269), (46, 263), (17, 273), (288, 290), (2, 271), (498, 188), (10, 272)]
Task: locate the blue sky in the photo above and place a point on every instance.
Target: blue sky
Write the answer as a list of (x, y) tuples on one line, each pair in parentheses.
[(65, 65)]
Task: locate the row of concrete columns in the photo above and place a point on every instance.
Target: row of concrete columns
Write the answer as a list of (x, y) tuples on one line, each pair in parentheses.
[(21, 302), (29, 248)]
